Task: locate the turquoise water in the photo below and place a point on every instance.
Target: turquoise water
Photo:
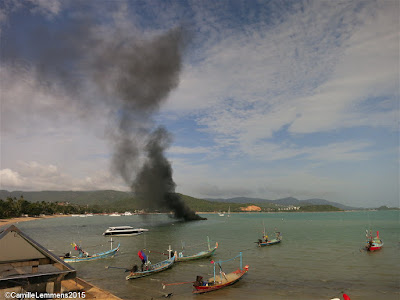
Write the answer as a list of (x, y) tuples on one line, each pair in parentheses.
[(319, 257)]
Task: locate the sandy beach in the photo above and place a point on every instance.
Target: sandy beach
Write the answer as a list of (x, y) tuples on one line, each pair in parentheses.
[(6, 222)]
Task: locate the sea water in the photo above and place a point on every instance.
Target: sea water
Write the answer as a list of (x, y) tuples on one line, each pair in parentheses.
[(321, 255)]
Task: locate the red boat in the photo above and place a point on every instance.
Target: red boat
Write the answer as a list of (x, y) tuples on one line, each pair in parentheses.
[(373, 243), (219, 281)]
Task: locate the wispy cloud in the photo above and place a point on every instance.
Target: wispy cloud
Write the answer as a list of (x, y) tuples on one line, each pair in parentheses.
[(314, 72), (188, 150), (297, 98), (35, 176)]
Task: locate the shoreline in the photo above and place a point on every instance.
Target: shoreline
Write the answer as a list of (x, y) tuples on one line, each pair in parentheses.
[(5, 222)]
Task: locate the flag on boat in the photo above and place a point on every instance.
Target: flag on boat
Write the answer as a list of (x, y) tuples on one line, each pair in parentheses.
[(142, 256)]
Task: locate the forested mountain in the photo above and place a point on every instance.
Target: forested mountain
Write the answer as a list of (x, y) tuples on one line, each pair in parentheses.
[(117, 201), (283, 201)]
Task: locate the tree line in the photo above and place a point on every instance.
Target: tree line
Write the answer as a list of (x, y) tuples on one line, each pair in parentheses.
[(13, 207)]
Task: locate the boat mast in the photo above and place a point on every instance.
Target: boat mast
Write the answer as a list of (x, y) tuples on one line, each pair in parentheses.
[(214, 270), (169, 251), (264, 229)]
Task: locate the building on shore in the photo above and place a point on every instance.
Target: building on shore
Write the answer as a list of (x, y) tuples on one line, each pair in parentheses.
[(27, 267)]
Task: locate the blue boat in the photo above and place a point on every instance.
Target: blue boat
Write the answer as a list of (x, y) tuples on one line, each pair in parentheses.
[(202, 254), (149, 268), (84, 256), (268, 242)]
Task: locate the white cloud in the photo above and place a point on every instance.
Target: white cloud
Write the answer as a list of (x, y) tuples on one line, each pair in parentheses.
[(37, 177), (332, 152), (188, 150), (34, 169), (315, 80), (9, 178), (47, 7)]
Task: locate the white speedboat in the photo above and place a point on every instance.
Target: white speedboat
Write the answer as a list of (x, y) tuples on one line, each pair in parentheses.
[(124, 231)]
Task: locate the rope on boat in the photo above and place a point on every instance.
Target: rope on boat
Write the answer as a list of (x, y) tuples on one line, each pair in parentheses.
[(177, 283), (252, 248), (94, 246), (111, 267), (156, 252), (196, 245), (223, 261)]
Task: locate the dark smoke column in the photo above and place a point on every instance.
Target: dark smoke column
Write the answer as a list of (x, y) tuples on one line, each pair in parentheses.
[(104, 70), (141, 76), (155, 182)]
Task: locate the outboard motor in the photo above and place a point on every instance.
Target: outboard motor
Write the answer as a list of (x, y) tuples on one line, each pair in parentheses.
[(134, 269), (199, 281)]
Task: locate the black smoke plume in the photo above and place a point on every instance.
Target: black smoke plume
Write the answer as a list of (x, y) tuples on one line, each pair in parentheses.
[(132, 78), (143, 76), (155, 182)]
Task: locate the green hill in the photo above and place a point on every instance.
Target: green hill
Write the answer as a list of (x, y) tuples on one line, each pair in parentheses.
[(102, 197), (312, 208), (116, 201)]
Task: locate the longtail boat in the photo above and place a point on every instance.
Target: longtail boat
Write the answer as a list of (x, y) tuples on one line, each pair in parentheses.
[(148, 268), (85, 256), (269, 242), (219, 281), (202, 254), (373, 243)]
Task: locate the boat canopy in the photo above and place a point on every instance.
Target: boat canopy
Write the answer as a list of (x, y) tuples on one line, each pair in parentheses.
[(120, 227)]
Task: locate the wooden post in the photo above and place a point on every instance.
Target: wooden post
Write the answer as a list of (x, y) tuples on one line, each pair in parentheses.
[(35, 269), (57, 285)]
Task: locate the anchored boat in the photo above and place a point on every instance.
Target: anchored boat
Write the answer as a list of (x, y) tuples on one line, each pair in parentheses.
[(373, 243), (85, 256), (219, 281), (148, 268), (124, 231), (268, 242), (181, 256)]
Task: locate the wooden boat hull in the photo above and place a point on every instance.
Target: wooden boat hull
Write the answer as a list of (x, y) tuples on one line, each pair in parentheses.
[(373, 243), (374, 246), (225, 281), (202, 254), (158, 267), (96, 256), (269, 243)]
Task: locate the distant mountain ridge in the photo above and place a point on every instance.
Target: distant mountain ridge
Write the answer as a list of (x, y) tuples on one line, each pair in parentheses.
[(283, 201), (126, 200)]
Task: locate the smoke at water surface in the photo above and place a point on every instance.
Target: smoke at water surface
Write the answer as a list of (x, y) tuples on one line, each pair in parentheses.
[(134, 76)]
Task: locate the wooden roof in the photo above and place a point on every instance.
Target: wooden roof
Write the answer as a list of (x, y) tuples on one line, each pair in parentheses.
[(23, 261)]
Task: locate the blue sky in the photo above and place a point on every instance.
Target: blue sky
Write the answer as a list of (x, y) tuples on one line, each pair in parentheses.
[(275, 99)]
